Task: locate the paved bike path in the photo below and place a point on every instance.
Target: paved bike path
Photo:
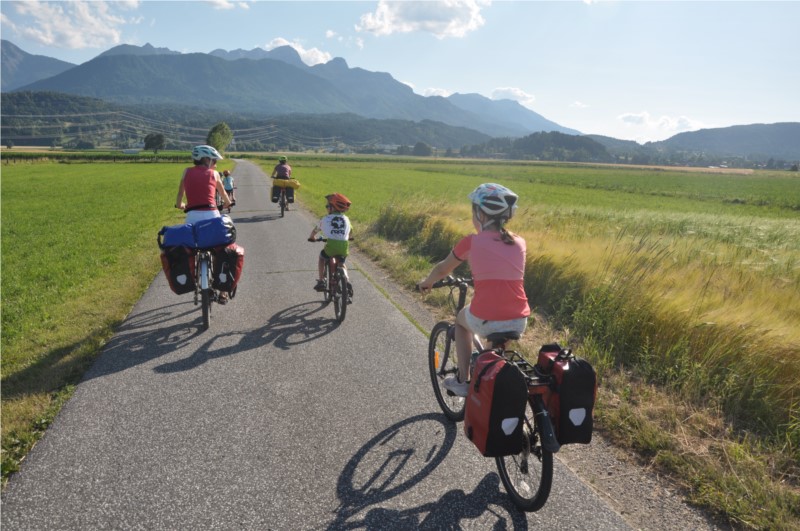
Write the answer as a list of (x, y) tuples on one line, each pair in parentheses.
[(274, 418)]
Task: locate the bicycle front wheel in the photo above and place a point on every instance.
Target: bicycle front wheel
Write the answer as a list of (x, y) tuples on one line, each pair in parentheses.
[(528, 475), (442, 362), (340, 296)]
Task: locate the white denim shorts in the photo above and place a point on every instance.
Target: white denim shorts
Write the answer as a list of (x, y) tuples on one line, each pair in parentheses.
[(193, 216), (484, 328)]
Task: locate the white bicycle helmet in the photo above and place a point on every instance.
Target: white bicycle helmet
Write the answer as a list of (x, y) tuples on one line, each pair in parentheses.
[(200, 152), (495, 200)]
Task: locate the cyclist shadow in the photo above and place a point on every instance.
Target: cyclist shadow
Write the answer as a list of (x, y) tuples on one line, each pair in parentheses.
[(289, 327), (256, 219), (136, 341), (399, 459)]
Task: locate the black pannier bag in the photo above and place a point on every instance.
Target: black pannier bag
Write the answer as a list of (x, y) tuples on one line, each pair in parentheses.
[(573, 392), (178, 265), (227, 270), (276, 193)]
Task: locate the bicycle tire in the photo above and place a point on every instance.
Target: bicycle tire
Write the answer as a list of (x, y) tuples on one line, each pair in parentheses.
[(528, 475), (442, 362), (283, 202), (340, 296)]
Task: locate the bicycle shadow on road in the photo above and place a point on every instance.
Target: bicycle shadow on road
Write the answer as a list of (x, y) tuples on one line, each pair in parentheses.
[(136, 342), (256, 219), (292, 326), (399, 459)]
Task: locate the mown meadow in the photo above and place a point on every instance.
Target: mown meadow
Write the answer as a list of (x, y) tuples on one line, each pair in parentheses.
[(681, 287), (78, 250)]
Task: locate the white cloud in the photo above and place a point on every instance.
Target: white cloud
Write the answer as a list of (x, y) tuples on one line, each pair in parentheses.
[(436, 92), (579, 105), (661, 124), (447, 18), (73, 25), (310, 57), (330, 34), (513, 93), (222, 4)]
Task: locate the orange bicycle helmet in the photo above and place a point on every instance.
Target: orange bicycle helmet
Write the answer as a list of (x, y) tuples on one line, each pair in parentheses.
[(338, 202)]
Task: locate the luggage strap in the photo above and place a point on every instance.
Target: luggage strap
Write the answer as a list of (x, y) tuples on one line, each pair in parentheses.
[(201, 207)]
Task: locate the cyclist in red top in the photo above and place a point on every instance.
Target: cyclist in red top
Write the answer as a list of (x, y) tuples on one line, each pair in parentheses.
[(201, 183), (497, 260)]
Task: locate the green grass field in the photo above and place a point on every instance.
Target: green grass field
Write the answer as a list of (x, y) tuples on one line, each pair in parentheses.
[(681, 287)]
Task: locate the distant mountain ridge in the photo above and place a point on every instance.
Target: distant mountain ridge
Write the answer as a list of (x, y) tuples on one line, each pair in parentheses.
[(278, 82), (19, 68)]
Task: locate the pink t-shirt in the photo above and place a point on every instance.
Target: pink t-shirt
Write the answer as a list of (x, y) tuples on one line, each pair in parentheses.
[(497, 269)]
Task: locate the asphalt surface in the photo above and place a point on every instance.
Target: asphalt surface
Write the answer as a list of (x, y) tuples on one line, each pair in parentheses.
[(276, 417)]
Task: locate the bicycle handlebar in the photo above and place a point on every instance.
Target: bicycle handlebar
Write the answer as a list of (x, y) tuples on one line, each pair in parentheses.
[(314, 240), (450, 281)]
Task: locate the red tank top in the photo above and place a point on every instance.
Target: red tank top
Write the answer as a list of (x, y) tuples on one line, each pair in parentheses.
[(200, 183)]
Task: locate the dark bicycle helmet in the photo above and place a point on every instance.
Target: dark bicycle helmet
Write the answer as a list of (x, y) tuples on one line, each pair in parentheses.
[(339, 202)]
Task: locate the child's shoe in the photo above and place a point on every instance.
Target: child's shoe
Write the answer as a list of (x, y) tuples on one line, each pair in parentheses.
[(320, 286)]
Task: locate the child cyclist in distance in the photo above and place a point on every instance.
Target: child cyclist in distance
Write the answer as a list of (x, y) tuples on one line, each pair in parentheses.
[(336, 228), (497, 260)]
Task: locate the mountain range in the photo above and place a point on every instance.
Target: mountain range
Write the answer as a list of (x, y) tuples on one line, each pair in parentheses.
[(271, 83), (278, 83)]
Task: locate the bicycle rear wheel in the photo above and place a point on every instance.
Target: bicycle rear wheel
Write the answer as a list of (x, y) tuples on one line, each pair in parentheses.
[(340, 295), (442, 362), (528, 475), (283, 202)]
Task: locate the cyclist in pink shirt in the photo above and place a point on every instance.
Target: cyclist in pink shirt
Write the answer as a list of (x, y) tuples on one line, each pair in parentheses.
[(497, 260), (200, 184)]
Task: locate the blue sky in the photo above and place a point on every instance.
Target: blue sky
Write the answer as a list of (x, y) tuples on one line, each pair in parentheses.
[(634, 70)]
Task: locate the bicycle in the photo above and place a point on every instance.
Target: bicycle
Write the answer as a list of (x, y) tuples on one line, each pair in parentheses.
[(528, 475), (283, 200), (337, 288)]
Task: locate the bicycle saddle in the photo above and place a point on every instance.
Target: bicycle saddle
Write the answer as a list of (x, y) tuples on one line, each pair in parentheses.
[(502, 337)]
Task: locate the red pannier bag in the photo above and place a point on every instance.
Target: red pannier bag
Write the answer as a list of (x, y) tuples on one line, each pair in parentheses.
[(227, 270), (495, 406), (178, 266), (573, 391)]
